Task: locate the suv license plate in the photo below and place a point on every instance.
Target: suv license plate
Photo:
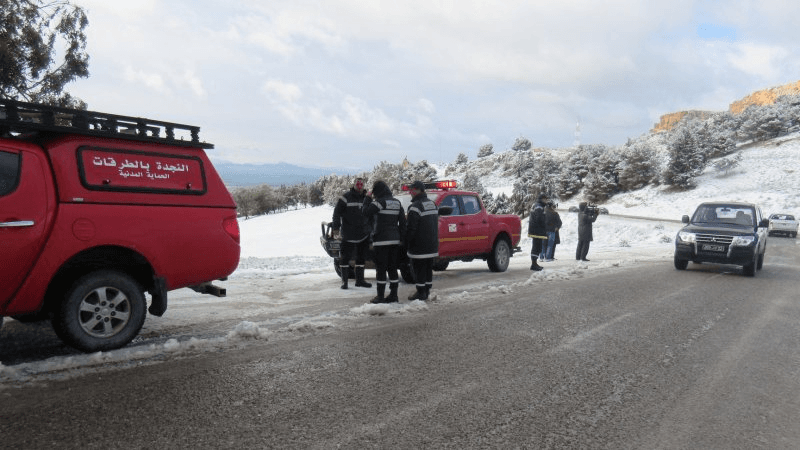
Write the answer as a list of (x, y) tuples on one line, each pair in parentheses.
[(713, 248)]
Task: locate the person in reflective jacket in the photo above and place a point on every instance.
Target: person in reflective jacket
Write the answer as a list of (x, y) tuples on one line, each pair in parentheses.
[(389, 224), (537, 230), (422, 239), (349, 218)]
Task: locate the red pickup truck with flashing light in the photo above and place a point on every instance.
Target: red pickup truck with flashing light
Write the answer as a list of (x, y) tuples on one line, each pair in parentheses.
[(97, 209), (466, 232)]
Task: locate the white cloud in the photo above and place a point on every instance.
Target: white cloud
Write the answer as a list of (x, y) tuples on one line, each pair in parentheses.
[(151, 80), (759, 60)]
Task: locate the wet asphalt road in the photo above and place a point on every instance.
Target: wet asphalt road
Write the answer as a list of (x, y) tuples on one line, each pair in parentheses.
[(642, 357)]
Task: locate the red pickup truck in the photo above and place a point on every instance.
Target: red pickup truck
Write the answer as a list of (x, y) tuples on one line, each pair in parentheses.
[(466, 232), (97, 209)]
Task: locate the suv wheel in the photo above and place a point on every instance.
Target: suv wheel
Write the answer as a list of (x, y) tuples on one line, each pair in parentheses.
[(103, 310), (501, 255), (750, 269), (760, 264), (681, 264)]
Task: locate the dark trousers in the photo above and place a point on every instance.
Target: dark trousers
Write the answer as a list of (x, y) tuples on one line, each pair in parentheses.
[(348, 249), (386, 262), (582, 250), (538, 246), (423, 272)]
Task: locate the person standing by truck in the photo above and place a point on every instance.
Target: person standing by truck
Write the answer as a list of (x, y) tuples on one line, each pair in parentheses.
[(537, 230), (586, 217), (350, 223), (389, 225), (422, 239)]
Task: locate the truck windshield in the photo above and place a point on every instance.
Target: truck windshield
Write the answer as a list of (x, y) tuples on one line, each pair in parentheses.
[(725, 215)]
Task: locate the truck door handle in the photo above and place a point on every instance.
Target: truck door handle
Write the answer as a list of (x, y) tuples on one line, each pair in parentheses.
[(17, 224)]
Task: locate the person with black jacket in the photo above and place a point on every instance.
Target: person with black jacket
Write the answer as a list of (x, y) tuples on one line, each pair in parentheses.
[(552, 225), (422, 239), (537, 230), (389, 225), (585, 220), (349, 218)]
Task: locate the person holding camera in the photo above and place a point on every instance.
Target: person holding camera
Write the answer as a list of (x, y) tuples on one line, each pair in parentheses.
[(586, 217)]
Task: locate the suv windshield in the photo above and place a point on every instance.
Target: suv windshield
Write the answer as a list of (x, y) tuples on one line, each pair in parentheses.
[(725, 215)]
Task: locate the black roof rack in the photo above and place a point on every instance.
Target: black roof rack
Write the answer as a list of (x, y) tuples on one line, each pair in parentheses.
[(22, 117)]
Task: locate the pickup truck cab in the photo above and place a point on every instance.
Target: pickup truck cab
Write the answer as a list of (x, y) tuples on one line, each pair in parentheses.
[(466, 231), (97, 209), (723, 233), (783, 224)]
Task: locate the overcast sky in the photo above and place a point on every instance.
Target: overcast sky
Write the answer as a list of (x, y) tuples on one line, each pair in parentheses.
[(353, 83)]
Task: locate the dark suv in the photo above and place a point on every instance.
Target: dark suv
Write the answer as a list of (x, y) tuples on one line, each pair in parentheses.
[(723, 233)]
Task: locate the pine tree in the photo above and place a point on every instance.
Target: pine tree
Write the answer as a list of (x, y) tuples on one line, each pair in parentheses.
[(31, 32)]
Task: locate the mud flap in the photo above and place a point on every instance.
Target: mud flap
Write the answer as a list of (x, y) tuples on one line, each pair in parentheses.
[(158, 305)]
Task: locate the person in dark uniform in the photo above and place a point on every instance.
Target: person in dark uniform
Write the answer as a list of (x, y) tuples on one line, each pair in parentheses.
[(585, 221), (422, 239), (349, 218), (389, 225), (537, 230)]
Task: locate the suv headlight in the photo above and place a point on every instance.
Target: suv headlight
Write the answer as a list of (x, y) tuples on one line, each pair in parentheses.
[(685, 236), (743, 241)]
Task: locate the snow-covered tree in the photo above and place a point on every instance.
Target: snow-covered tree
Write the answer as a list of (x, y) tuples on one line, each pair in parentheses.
[(521, 144), (485, 150), (685, 162)]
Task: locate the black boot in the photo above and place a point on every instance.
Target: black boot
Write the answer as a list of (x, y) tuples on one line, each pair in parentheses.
[(345, 275), (535, 266), (379, 298), (360, 278), (418, 294), (392, 298), (428, 291)]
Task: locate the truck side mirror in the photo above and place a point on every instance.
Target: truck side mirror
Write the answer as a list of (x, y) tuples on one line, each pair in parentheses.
[(685, 219), (445, 210), (764, 223)]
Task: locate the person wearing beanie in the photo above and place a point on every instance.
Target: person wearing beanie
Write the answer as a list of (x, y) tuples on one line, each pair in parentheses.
[(422, 239), (389, 225), (537, 230)]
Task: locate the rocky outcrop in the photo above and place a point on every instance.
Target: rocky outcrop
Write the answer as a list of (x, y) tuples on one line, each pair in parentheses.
[(764, 97), (668, 121)]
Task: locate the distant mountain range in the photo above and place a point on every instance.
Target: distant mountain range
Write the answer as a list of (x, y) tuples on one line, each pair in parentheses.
[(275, 174)]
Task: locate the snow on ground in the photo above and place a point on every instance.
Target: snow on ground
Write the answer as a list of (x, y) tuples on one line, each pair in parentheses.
[(284, 276)]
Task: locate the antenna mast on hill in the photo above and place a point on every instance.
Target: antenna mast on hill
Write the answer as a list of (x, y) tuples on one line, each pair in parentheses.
[(577, 142)]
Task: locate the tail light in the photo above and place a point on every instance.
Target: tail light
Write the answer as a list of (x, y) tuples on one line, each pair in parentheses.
[(231, 226)]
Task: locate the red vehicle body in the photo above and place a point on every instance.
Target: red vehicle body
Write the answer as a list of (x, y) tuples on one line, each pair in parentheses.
[(91, 218), (469, 231)]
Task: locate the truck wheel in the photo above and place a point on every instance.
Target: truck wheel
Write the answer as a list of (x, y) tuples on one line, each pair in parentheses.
[(103, 310), (760, 261), (440, 265), (750, 269), (405, 272), (681, 264), (501, 255)]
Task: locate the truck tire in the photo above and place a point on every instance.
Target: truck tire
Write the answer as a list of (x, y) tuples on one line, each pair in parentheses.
[(500, 257), (681, 264), (750, 269), (440, 265), (760, 264), (103, 310)]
